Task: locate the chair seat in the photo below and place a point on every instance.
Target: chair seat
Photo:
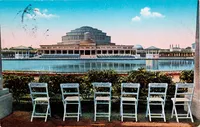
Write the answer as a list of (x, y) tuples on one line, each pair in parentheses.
[(155, 99), (102, 98), (180, 99), (72, 98), (42, 99), (129, 99)]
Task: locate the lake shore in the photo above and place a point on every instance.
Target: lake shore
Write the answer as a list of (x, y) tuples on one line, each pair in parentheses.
[(174, 74)]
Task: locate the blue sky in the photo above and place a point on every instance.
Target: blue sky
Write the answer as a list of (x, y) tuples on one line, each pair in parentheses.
[(146, 22)]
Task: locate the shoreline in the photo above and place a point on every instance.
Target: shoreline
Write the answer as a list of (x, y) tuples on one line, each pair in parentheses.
[(174, 74), (143, 58)]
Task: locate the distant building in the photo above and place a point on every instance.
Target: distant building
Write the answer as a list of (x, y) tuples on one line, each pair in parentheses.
[(86, 42), (152, 52), (176, 51), (193, 47), (19, 52)]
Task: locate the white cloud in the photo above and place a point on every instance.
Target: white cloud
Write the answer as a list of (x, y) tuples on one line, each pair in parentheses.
[(136, 19), (38, 14), (146, 13)]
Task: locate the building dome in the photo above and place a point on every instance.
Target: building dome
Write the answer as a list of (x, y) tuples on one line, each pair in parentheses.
[(82, 33), (87, 36), (138, 46)]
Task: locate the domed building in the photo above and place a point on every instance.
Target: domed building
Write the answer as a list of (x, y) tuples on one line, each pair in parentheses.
[(86, 42), (79, 34), (138, 47)]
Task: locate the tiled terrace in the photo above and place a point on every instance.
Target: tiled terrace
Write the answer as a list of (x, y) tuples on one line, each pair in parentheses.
[(22, 119)]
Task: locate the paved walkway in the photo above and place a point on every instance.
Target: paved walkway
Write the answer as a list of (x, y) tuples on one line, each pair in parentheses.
[(22, 119)]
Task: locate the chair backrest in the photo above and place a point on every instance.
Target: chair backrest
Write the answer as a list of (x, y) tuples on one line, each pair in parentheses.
[(184, 89), (38, 90), (157, 90), (102, 89), (69, 89), (130, 89)]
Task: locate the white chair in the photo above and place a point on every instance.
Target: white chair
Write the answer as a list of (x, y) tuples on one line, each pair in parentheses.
[(40, 96), (129, 97), (183, 98), (70, 95), (102, 95), (156, 96)]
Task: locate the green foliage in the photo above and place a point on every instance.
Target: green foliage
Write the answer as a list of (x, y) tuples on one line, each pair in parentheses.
[(54, 82), (18, 85), (145, 77), (104, 76), (187, 76)]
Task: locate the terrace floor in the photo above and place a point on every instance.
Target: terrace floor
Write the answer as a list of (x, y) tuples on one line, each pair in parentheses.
[(22, 119)]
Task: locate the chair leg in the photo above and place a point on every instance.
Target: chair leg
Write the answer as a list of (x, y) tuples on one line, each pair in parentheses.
[(163, 112), (149, 112), (95, 110), (78, 114), (120, 107), (190, 113), (80, 109), (34, 106), (176, 113), (122, 112), (136, 111), (109, 111), (65, 105), (46, 113)]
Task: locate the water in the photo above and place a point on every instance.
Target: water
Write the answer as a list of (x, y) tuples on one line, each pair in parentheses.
[(79, 66)]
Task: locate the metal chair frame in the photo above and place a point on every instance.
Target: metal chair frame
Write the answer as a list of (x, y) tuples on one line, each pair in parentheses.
[(131, 100), (39, 98), (72, 98), (158, 100), (102, 97), (185, 99)]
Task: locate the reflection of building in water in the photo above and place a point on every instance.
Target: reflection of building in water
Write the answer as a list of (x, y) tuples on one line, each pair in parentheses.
[(152, 65), (176, 64), (97, 65), (87, 42)]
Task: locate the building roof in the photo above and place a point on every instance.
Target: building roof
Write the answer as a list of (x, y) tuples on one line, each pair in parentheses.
[(21, 48), (152, 47), (84, 29), (138, 46)]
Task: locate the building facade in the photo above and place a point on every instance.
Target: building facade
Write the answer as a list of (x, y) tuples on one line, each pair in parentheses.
[(19, 52), (86, 42)]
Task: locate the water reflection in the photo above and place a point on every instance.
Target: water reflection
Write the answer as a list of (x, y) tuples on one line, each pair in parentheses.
[(76, 66)]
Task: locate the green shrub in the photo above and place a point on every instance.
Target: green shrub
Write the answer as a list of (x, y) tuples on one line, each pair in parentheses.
[(187, 76), (145, 77), (18, 85), (54, 82), (104, 76)]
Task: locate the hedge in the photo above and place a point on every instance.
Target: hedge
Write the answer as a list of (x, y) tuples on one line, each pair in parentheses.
[(18, 85)]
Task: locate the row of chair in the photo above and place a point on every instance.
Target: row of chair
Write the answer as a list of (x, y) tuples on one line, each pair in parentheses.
[(102, 96)]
